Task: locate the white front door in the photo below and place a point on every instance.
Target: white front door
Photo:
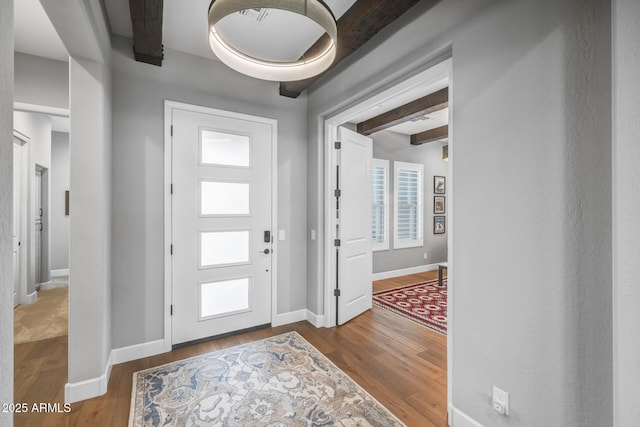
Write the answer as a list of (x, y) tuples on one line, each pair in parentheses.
[(354, 213), (17, 191), (221, 223)]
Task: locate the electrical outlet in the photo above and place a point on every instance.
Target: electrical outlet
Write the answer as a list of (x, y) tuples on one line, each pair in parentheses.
[(425, 255), (500, 401)]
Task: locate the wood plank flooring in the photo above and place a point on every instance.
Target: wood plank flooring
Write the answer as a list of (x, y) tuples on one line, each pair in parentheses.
[(399, 362)]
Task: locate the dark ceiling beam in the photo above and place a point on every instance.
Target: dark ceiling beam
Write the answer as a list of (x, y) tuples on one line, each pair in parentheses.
[(420, 107), (146, 20), (430, 135), (358, 25)]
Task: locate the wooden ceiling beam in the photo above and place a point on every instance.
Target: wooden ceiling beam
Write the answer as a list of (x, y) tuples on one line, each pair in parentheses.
[(358, 25), (146, 20), (420, 107), (430, 135)]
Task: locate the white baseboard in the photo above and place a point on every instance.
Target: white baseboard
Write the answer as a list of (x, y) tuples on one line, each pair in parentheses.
[(457, 418), (403, 272), (94, 387), (290, 317), (138, 351), (316, 320), (31, 298), (60, 273), (45, 285)]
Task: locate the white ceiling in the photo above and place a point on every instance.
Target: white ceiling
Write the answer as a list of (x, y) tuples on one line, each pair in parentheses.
[(430, 121), (34, 32), (437, 119), (185, 28)]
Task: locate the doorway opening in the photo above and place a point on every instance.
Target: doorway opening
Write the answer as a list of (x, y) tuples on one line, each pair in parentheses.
[(42, 275), (426, 82), (436, 77)]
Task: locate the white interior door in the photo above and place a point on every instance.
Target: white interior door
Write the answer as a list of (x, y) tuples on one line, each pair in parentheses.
[(354, 213), (222, 219), (17, 202)]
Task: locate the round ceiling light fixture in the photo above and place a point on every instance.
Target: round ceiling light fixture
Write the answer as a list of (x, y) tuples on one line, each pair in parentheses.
[(315, 10)]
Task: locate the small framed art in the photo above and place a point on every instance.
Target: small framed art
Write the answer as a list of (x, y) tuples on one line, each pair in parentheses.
[(439, 205), (439, 225), (439, 185)]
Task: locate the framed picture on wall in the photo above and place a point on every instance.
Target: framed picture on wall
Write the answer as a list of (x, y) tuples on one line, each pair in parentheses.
[(439, 226), (438, 205), (439, 185)]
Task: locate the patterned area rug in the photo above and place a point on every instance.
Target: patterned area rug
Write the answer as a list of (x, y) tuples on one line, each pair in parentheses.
[(279, 381), (425, 303)]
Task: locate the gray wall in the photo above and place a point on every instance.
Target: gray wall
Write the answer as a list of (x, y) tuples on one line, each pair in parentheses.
[(139, 92), (41, 81), (6, 190), (400, 50), (531, 120), (626, 209), (90, 220), (59, 184), (394, 146)]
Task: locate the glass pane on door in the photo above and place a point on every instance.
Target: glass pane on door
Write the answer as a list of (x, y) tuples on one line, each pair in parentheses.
[(224, 248), (224, 198), (227, 149), (223, 297)]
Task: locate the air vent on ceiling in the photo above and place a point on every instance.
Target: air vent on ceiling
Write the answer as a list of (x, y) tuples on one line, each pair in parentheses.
[(256, 14)]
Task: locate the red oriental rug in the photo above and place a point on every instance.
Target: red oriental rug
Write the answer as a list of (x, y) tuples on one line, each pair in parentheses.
[(425, 303)]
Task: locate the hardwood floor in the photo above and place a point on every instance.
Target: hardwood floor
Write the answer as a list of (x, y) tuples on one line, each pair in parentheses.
[(399, 362)]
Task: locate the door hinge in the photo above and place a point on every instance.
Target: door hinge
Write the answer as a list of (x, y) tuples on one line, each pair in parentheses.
[(171, 249), (337, 193), (337, 145), (171, 310), (171, 130), (171, 188), (336, 242), (336, 292)]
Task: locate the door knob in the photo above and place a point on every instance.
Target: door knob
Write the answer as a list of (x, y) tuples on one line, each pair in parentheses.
[(266, 252)]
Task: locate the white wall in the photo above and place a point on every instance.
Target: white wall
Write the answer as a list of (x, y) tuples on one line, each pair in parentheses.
[(41, 81), (531, 119), (139, 92), (395, 146), (37, 127), (59, 184), (626, 210), (6, 190)]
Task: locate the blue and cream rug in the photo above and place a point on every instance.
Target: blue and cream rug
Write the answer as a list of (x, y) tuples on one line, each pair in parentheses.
[(279, 381)]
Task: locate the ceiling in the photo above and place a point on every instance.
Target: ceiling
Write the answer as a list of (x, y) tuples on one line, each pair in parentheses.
[(185, 28), (432, 121), (424, 123), (34, 33)]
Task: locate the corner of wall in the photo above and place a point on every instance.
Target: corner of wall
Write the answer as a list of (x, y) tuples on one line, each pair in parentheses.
[(6, 167)]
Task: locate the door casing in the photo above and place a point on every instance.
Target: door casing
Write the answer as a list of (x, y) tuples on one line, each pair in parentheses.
[(23, 296), (169, 106)]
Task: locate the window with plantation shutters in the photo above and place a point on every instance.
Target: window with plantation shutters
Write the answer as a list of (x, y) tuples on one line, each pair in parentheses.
[(380, 205), (408, 194)]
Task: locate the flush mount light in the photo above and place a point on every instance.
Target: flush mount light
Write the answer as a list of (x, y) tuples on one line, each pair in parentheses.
[(315, 10)]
